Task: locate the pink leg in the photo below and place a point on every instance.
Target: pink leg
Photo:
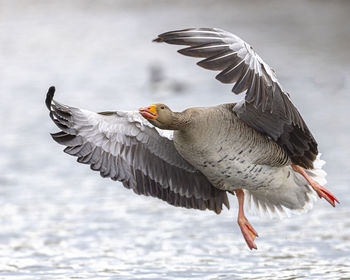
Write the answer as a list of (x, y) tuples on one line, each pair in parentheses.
[(248, 231), (321, 191)]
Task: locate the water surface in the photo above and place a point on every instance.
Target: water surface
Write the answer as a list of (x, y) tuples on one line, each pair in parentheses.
[(60, 220)]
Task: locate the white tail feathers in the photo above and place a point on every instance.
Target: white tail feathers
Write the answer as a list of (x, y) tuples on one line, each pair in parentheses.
[(293, 196)]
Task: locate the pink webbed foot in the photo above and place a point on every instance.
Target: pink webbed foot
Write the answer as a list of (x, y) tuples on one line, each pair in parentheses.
[(248, 232), (321, 191)]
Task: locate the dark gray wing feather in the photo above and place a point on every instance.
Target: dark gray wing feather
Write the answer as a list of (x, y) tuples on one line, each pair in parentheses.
[(266, 107), (127, 148)]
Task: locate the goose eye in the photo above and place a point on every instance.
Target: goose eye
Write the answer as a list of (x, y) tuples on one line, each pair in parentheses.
[(162, 107)]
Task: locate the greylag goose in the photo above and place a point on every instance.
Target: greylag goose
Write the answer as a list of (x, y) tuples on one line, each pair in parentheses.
[(259, 149)]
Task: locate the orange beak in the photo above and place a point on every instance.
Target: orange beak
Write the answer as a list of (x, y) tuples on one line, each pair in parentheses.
[(149, 112)]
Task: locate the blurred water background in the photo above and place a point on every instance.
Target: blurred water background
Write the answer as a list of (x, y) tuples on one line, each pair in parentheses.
[(60, 220)]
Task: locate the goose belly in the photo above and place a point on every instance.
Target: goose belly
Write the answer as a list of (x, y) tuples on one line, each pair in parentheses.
[(230, 166), (234, 171)]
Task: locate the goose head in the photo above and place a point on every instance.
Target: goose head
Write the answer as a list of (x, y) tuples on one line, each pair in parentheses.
[(161, 116)]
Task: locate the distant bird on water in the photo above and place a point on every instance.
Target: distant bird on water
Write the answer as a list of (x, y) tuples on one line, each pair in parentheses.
[(259, 149), (160, 85)]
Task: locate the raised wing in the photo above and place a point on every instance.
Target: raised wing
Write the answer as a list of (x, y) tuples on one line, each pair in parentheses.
[(127, 148), (266, 107)]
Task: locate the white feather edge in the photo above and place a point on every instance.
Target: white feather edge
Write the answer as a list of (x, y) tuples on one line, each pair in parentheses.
[(253, 206)]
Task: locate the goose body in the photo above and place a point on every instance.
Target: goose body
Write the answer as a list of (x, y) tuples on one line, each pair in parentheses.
[(259, 149), (225, 157), (243, 159)]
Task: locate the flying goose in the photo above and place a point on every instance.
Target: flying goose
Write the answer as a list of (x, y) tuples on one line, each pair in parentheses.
[(259, 149)]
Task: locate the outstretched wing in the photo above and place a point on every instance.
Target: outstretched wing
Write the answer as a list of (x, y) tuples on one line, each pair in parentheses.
[(127, 148), (266, 107)]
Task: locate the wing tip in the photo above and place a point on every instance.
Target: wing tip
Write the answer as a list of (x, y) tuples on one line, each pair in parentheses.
[(158, 40), (49, 96)]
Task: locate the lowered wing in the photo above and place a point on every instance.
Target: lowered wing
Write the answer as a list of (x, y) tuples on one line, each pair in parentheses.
[(127, 148)]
